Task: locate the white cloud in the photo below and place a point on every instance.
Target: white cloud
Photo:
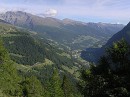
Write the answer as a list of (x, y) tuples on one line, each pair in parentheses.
[(49, 13)]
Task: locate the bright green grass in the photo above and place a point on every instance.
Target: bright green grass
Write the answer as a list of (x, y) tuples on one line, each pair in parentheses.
[(26, 68), (2, 95), (16, 55), (65, 54), (74, 70), (8, 35), (47, 62)]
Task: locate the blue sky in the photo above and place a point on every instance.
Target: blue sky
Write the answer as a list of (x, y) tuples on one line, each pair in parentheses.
[(110, 11)]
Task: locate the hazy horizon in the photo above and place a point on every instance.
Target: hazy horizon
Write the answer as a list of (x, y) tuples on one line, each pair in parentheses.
[(106, 11)]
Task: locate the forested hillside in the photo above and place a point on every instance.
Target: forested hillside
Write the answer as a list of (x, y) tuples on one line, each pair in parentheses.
[(29, 66), (109, 78), (13, 84)]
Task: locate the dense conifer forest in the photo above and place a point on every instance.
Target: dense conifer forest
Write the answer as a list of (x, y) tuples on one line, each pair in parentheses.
[(110, 77)]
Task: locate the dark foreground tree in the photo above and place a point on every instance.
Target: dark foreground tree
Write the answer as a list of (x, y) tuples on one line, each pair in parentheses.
[(111, 77)]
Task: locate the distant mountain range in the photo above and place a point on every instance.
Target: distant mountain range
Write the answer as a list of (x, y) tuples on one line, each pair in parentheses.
[(75, 34), (94, 54)]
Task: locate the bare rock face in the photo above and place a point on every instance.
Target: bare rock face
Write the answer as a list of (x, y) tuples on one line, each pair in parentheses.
[(16, 18)]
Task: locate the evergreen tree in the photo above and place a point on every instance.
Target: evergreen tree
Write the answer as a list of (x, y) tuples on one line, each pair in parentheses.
[(55, 85), (9, 79), (3, 53), (67, 87), (32, 87), (110, 78)]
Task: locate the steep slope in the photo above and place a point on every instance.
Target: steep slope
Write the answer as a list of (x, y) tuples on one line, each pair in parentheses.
[(94, 54), (124, 33), (25, 49), (75, 34), (34, 54), (6, 27), (9, 79), (33, 82)]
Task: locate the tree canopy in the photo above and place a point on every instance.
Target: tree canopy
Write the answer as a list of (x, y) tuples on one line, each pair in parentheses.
[(110, 78)]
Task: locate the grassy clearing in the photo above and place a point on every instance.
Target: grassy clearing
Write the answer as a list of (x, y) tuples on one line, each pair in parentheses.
[(26, 68), (8, 35), (74, 70), (65, 54), (47, 62), (16, 55), (2, 95)]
